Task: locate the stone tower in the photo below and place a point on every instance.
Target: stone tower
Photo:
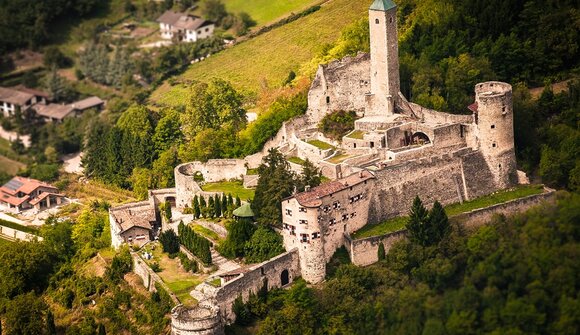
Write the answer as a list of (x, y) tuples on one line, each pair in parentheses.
[(495, 125), (385, 84)]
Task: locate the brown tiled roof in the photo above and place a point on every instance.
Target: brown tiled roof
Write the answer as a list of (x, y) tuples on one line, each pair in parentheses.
[(42, 196), (87, 103), (15, 97), (313, 197), (32, 91), (53, 111), (128, 217)]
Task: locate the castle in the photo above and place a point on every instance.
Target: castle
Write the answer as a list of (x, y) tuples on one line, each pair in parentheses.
[(396, 151)]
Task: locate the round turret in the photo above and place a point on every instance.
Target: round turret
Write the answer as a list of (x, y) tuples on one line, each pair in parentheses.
[(185, 185), (200, 320), (495, 123)]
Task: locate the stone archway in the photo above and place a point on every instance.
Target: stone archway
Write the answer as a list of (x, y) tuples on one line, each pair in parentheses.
[(420, 138), (284, 278)]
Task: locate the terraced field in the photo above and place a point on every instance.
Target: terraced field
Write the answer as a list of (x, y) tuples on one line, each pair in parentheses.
[(268, 58), (267, 11)]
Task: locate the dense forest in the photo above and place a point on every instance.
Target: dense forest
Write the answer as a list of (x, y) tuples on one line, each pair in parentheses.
[(513, 276)]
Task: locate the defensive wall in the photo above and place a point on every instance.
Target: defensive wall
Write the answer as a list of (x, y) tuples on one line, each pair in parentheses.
[(203, 320), (269, 272), (364, 251)]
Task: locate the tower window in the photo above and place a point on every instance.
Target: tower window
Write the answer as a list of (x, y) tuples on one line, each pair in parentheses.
[(377, 21), (327, 100), (493, 126), (390, 20), (493, 145), (500, 165)]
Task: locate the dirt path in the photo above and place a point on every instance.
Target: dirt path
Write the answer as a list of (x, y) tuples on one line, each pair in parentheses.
[(556, 87)]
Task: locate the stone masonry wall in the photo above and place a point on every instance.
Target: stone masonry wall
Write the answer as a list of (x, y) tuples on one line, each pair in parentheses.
[(150, 278), (252, 282), (17, 234), (365, 251)]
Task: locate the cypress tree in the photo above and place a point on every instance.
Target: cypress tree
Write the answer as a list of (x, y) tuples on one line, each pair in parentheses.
[(196, 209), (381, 251), (224, 204), (217, 206), (238, 202), (167, 208), (230, 200), (211, 207)]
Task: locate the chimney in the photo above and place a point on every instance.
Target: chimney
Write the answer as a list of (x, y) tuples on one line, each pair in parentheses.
[(307, 188)]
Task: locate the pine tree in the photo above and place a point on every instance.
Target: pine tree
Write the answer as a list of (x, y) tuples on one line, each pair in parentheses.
[(381, 252), (211, 207), (439, 226), (238, 202), (101, 330), (418, 222), (311, 175), (224, 205), (56, 85)]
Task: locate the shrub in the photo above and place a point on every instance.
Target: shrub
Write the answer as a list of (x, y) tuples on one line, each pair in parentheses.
[(337, 124), (169, 241)]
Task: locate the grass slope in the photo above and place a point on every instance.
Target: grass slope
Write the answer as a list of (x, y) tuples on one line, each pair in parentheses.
[(235, 188), (398, 223), (269, 57), (266, 11)]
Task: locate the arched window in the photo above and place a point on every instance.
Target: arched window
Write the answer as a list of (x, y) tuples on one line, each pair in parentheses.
[(377, 21), (327, 100)]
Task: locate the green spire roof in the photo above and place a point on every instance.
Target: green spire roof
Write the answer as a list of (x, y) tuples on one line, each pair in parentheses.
[(383, 5), (244, 211)]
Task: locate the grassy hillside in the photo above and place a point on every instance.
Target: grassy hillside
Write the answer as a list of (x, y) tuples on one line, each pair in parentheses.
[(266, 11), (270, 56)]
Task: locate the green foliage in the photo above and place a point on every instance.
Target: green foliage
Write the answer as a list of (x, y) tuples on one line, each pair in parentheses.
[(276, 182), (45, 172), (167, 213), (263, 245), (195, 243), (311, 175), (169, 241), (381, 252), (57, 86), (337, 124), (511, 276), (427, 227), (239, 232), (121, 264), (53, 57), (96, 65), (25, 315), (188, 264)]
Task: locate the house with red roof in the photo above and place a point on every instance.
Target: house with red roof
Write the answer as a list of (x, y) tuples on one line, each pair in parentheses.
[(22, 193)]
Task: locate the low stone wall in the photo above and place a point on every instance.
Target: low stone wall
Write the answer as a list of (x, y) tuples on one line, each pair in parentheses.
[(433, 116), (311, 152), (365, 251), (253, 280), (150, 278), (219, 229), (14, 234)]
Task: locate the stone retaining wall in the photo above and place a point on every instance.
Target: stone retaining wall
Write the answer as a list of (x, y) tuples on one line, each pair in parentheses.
[(150, 278), (14, 234), (365, 251)]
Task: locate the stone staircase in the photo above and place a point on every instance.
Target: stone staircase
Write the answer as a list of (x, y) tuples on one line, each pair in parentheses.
[(224, 265)]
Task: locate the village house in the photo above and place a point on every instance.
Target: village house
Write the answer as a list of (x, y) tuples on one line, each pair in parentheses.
[(133, 224), (12, 100), (57, 112), (25, 193), (184, 27)]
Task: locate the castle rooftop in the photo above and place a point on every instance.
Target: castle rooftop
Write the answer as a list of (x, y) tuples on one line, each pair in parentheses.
[(312, 198), (383, 5)]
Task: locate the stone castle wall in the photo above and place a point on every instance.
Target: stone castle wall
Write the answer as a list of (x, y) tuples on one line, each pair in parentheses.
[(203, 320), (149, 277), (253, 281), (365, 251), (339, 85)]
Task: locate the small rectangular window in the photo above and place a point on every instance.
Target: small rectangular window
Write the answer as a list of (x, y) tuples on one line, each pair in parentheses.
[(289, 212), (493, 126), (303, 221), (302, 209), (304, 238), (315, 235)]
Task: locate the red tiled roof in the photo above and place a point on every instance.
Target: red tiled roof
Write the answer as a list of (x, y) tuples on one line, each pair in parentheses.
[(15, 201), (42, 196), (313, 197), (25, 185), (473, 107)]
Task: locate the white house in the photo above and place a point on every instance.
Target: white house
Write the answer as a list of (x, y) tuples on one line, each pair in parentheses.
[(11, 100), (184, 27)]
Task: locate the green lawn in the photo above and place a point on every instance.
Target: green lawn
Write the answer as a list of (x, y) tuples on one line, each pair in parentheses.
[(296, 160), (383, 228), (208, 233), (268, 58), (266, 11), (178, 280), (320, 144), (499, 197), (356, 134), (336, 159), (236, 188), (495, 198)]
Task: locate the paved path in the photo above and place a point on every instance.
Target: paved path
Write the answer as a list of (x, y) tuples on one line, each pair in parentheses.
[(72, 163), (11, 136)]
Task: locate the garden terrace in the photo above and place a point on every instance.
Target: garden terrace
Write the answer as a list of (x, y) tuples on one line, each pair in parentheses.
[(178, 280), (339, 158), (235, 188), (398, 223), (320, 144), (356, 134), (296, 160)]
